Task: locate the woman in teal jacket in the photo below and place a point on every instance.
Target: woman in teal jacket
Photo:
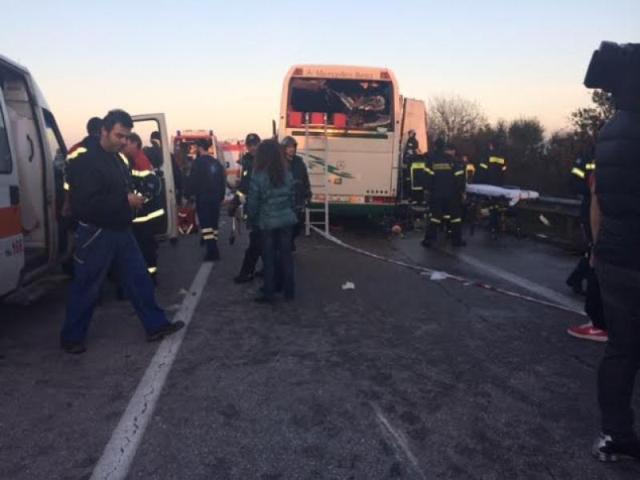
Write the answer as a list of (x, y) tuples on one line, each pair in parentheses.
[(271, 210)]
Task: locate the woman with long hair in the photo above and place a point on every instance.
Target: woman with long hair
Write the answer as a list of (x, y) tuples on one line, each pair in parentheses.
[(271, 210)]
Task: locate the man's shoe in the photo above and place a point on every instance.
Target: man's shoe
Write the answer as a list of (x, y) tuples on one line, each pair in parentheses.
[(74, 348), (607, 449), (588, 332), (165, 331), (243, 278)]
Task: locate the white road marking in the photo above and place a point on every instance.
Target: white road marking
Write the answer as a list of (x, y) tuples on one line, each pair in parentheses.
[(533, 287), (398, 440), (125, 439)]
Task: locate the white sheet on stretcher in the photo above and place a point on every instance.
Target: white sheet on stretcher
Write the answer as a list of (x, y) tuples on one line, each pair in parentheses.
[(514, 195)]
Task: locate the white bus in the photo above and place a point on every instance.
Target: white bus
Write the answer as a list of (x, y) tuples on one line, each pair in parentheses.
[(354, 117), (32, 157)]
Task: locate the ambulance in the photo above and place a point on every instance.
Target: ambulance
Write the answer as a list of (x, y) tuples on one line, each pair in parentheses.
[(33, 240)]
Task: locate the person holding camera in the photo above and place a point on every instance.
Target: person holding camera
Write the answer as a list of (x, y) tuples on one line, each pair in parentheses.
[(615, 220)]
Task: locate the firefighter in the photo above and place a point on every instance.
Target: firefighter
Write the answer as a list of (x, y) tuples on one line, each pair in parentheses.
[(413, 169), (301, 183), (208, 186), (252, 254), (104, 206), (445, 182), (146, 183), (492, 172), (581, 173)]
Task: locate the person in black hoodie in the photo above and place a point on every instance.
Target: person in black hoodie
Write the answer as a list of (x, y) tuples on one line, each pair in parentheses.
[(103, 204), (253, 252), (615, 221), (207, 183), (301, 184)]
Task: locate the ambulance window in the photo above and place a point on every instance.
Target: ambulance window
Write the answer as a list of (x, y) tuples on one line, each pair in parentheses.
[(5, 152), (56, 147)]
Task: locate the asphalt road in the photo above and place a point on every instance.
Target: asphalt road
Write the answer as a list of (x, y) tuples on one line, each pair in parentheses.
[(403, 377)]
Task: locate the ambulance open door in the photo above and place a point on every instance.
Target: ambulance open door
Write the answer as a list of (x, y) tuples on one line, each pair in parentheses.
[(144, 125), (11, 239)]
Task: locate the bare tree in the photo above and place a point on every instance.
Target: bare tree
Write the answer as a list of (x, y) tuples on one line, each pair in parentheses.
[(455, 118)]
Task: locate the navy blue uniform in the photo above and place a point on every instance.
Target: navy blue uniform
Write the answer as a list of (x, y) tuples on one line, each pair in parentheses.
[(208, 186)]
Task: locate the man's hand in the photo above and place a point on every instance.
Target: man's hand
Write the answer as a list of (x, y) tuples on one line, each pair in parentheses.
[(135, 201)]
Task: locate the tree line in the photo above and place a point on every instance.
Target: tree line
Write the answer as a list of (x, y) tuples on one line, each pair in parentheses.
[(535, 161)]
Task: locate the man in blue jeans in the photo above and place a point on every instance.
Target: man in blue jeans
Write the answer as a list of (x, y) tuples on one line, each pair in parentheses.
[(103, 204)]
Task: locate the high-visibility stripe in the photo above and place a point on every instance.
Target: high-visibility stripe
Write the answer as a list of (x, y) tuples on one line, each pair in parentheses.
[(456, 220), (578, 172), (498, 160), (141, 173), (76, 153), (207, 230), (446, 216), (434, 220), (441, 166), (150, 216), (504, 169), (484, 165), (66, 186), (459, 172), (152, 270), (208, 236), (429, 171), (590, 166), (240, 194), (124, 159)]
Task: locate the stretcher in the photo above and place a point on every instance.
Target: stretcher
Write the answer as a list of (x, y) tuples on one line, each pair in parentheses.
[(510, 194)]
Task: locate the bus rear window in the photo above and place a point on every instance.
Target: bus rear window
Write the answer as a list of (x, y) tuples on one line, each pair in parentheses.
[(349, 104)]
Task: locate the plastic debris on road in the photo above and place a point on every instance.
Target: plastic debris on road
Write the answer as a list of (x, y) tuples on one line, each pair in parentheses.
[(349, 286)]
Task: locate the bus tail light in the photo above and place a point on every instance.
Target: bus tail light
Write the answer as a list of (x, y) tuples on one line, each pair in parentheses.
[(339, 120), (295, 119), (380, 200)]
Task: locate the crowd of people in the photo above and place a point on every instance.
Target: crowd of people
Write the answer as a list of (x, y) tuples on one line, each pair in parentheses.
[(114, 190), (115, 200)]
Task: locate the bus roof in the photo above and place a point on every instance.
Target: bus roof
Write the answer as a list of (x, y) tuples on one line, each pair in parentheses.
[(345, 72)]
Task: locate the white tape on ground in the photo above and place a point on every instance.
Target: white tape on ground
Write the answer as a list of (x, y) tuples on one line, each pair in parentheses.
[(125, 439), (457, 278)]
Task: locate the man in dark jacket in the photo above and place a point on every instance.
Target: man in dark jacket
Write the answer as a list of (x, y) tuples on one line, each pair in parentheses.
[(252, 254), (103, 204), (207, 184), (615, 213), (445, 181), (301, 184)]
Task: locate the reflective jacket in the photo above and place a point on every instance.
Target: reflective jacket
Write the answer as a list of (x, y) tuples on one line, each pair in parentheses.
[(145, 182), (445, 176), (493, 169), (581, 172), (207, 180)]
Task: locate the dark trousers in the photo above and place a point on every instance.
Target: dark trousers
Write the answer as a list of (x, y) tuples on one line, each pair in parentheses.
[(96, 251), (616, 376), (145, 236), (593, 302), (252, 253), (298, 228), (209, 216), (278, 262), (441, 210), (582, 270)]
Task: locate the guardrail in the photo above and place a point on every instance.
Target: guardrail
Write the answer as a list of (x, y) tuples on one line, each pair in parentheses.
[(555, 219)]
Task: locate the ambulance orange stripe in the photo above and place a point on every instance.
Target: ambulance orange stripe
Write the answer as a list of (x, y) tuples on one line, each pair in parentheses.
[(10, 224)]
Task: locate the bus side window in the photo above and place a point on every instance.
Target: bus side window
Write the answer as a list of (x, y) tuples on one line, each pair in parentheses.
[(5, 152)]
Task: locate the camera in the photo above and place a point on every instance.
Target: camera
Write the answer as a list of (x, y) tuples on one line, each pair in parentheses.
[(615, 68)]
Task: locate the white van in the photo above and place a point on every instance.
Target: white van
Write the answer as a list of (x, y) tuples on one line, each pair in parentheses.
[(32, 156)]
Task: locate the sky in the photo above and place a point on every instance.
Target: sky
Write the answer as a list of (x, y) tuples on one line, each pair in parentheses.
[(220, 65)]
